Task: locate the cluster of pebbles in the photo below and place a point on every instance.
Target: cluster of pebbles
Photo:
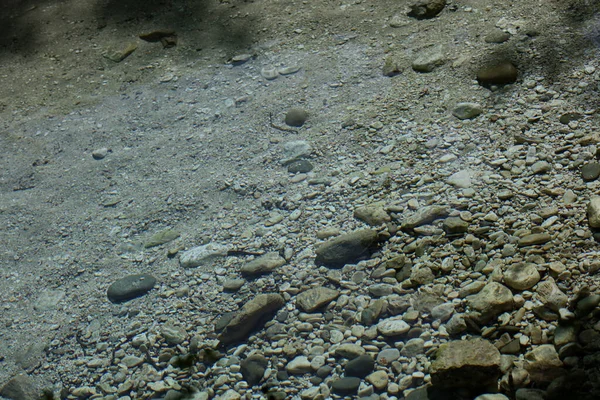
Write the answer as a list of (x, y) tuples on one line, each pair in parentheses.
[(456, 260)]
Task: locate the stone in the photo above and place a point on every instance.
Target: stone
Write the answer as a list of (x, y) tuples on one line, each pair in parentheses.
[(391, 67), (371, 314), (543, 364), (202, 255), (249, 315), (269, 73), (521, 276), (456, 325), (100, 153), (315, 298), (345, 386), (455, 226), (130, 287), (372, 215), (500, 73), (300, 166), (541, 167), (470, 364), (295, 150), (156, 35), (551, 297), (590, 171), (426, 9), (467, 110), (387, 356), (241, 59), (118, 55), (460, 179), (587, 304), (496, 36), (393, 326), (346, 249), (162, 237), (378, 379), (429, 60), (360, 366), (299, 365), (49, 299), (442, 312), (349, 350), (296, 117), (593, 212), (425, 215), (233, 285), (534, 239), (20, 387), (492, 396), (413, 347), (263, 265), (492, 300)]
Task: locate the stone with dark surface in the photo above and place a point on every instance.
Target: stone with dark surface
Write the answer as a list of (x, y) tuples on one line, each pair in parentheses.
[(425, 215), (20, 387), (468, 364), (543, 364), (300, 166), (130, 287), (455, 226), (296, 117), (261, 307), (499, 73), (315, 298), (467, 110), (534, 239), (346, 249), (593, 212), (590, 171), (345, 386), (425, 9), (360, 366)]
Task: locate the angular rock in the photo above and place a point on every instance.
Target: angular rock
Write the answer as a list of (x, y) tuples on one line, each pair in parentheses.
[(413, 347), (249, 316), (162, 237), (467, 110), (346, 249), (424, 216), (593, 212), (460, 179), (521, 276), (471, 364), (543, 364), (360, 367), (263, 264), (541, 167), (315, 298), (130, 287), (492, 300), (455, 226), (299, 365), (371, 314), (429, 60), (372, 215)]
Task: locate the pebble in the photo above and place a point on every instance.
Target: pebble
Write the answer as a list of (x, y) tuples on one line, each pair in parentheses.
[(467, 110), (296, 117), (100, 153), (393, 326), (500, 73), (269, 73), (130, 287)]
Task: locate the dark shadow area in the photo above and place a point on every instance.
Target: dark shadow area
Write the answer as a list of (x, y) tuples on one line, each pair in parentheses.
[(17, 29)]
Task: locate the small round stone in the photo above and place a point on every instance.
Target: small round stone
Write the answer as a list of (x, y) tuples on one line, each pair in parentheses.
[(130, 287), (296, 117), (590, 171)]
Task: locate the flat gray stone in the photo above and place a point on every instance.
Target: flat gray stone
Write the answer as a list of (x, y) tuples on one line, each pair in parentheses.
[(315, 298), (346, 249), (593, 212), (460, 179), (590, 171), (425, 215), (263, 264), (130, 287), (202, 255), (467, 110), (413, 347), (372, 215), (534, 239), (393, 326), (429, 60), (541, 167)]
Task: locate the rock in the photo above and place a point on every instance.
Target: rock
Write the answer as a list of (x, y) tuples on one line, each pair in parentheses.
[(455, 226), (442, 312), (534, 239), (521, 276), (593, 212), (162, 237), (299, 365), (429, 60), (295, 150), (360, 366), (590, 171), (263, 264), (157, 35), (241, 59), (202, 255), (392, 326), (233, 285), (468, 364), (118, 55), (20, 387), (296, 117), (460, 179), (467, 110), (425, 215), (496, 36), (130, 287), (372, 215), (300, 166), (421, 275), (269, 73), (587, 304), (378, 379), (49, 300), (387, 356), (349, 350), (391, 67), (288, 70), (493, 299), (413, 347), (249, 316), (345, 386), (173, 334), (315, 298), (500, 73), (346, 249), (456, 325), (543, 364), (425, 9), (100, 153), (541, 167), (371, 314)]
